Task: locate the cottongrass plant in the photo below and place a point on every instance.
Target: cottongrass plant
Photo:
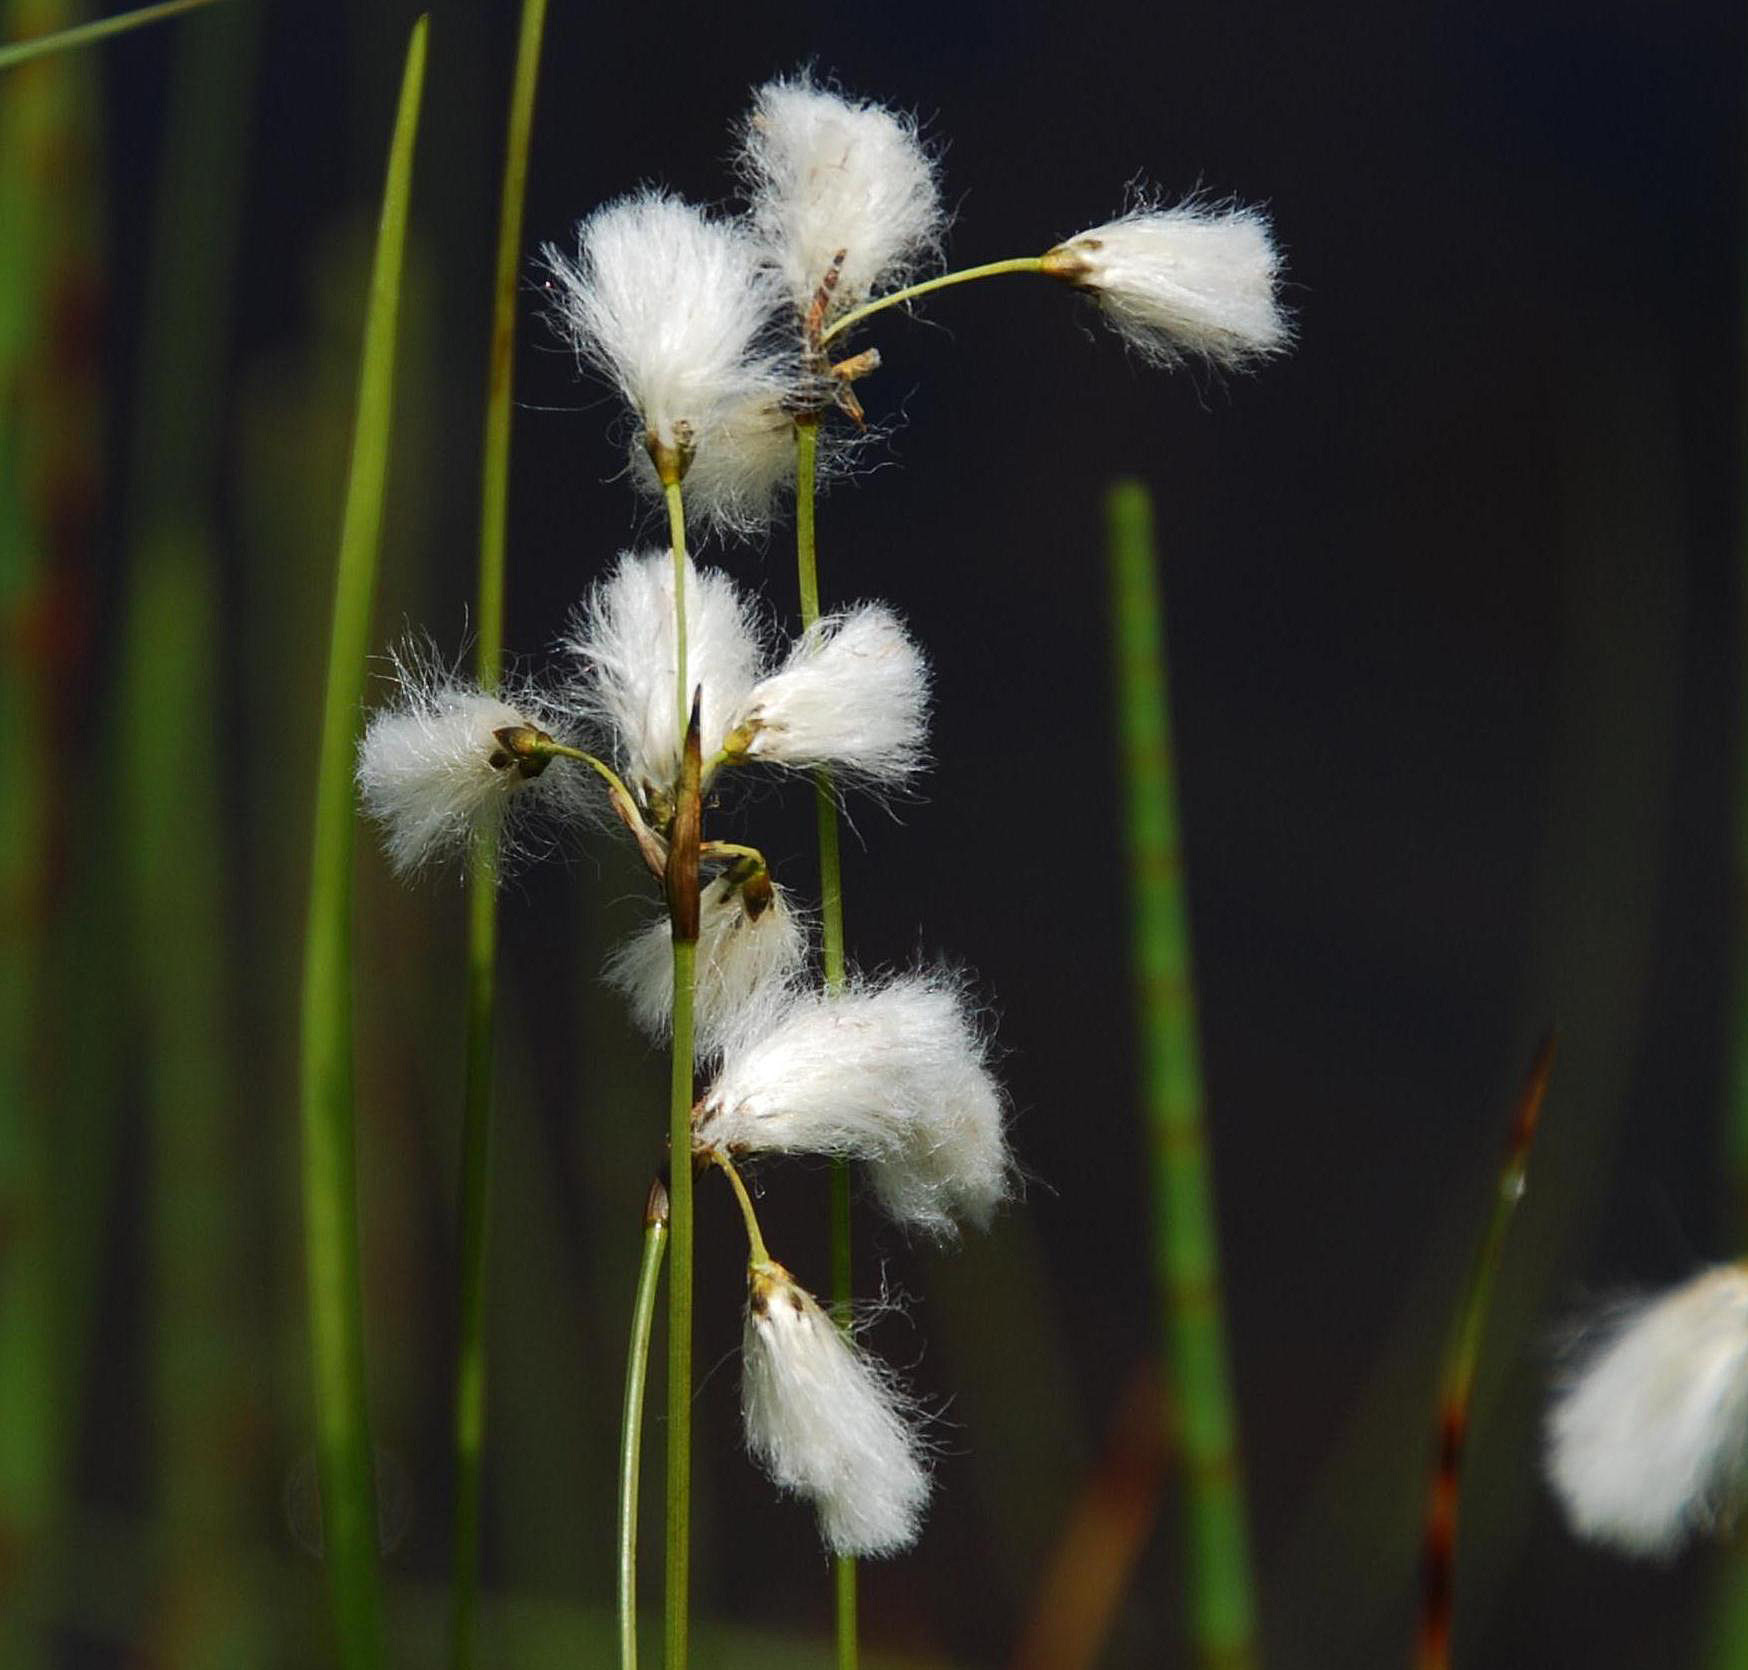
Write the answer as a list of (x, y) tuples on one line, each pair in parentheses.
[(1647, 1436), (672, 685)]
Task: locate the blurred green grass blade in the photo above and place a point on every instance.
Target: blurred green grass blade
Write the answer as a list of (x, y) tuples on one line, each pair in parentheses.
[(482, 907), (181, 861), (329, 1159), (85, 34), (50, 481), (1462, 1358), (1204, 1433)]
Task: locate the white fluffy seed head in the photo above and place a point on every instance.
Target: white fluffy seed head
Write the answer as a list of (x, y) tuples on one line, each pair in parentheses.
[(624, 638), (738, 481), (894, 1074), (433, 772), (1648, 1436), (1198, 279), (742, 960), (829, 1423), (674, 308), (825, 174), (852, 695)]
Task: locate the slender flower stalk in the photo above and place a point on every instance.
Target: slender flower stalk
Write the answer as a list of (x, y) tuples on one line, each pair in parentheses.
[(329, 1161), (840, 1234), (482, 901), (655, 1240), (681, 883), (1457, 1384), (1222, 1609), (943, 281)]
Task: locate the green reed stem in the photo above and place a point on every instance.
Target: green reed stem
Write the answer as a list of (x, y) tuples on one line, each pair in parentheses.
[(679, 1495), (1222, 1607), (965, 275), (482, 903), (655, 1240), (1457, 1383), (682, 899), (330, 1181), (20, 52), (831, 936)]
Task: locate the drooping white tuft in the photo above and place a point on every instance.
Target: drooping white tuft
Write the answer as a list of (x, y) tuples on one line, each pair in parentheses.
[(676, 309), (742, 960), (894, 1074), (738, 481), (853, 695), (624, 637), (827, 1422), (1648, 1437), (1198, 279), (828, 175), (433, 772)]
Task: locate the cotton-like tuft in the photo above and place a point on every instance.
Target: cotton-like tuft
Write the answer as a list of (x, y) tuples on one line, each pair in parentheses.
[(677, 310), (736, 483), (1199, 279), (742, 960), (1648, 1436), (853, 695), (827, 1422), (433, 772), (894, 1074), (624, 638), (829, 174)]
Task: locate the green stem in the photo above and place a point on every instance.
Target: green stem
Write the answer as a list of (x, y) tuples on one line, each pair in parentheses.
[(329, 1163), (20, 52), (482, 904), (679, 1497), (1222, 1607), (1457, 1385), (831, 937), (756, 1251), (655, 1240), (677, 542), (965, 275)]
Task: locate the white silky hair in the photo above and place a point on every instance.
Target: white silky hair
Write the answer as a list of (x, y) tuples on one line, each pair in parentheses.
[(624, 637), (736, 483), (741, 959), (1198, 279), (893, 1073), (1647, 1438), (675, 308), (425, 771), (828, 1422), (853, 694), (826, 173)]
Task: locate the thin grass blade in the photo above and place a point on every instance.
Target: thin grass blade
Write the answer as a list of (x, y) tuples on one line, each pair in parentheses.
[(482, 883), (1439, 1544), (329, 1161), (1202, 1424), (87, 34)]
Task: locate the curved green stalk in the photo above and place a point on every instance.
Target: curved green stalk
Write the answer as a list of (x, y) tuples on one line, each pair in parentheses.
[(1222, 1605), (1457, 1385), (832, 954), (482, 881), (330, 1181), (965, 275), (86, 34), (655, 1240)]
